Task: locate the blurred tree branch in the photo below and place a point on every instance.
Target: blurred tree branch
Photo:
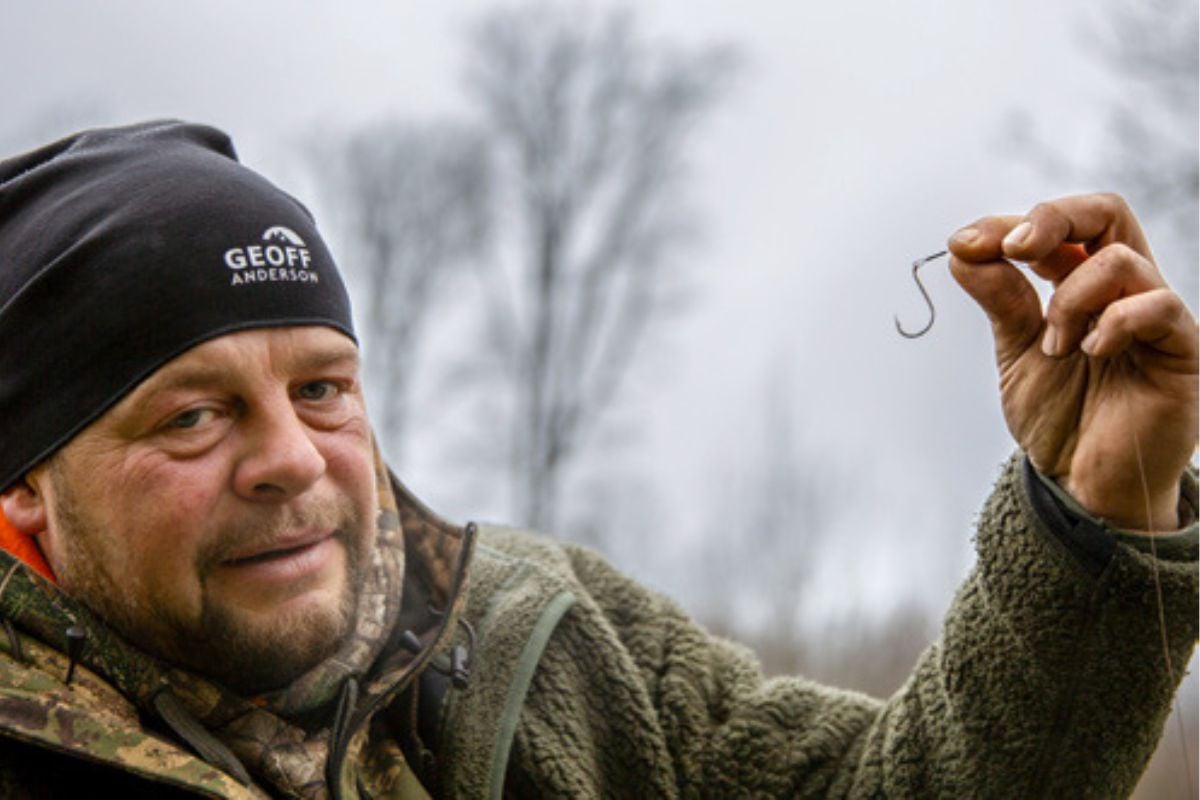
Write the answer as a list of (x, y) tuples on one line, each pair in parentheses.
[(415, 202), (772, 520), (588, 124)]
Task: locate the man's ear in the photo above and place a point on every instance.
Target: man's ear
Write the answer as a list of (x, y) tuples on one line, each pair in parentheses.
[(25, 506)]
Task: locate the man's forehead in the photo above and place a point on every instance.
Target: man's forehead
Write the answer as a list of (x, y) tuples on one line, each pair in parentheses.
[(282, 349)]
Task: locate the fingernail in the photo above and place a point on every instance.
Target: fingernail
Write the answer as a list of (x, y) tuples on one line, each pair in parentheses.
[(965, 236), (1088, 345), (1018, 235), (1050, 341)]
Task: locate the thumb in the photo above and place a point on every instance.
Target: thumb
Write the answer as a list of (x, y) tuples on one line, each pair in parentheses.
[(1007, 297)]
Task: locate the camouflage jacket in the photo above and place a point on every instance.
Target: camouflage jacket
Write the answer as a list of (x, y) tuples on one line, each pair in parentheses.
[(1047, 680)]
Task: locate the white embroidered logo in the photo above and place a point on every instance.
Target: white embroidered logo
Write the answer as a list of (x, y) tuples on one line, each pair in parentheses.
[(284, 257), (282, 234)]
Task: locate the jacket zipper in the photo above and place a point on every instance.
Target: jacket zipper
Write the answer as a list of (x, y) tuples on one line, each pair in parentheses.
[(340, 735)]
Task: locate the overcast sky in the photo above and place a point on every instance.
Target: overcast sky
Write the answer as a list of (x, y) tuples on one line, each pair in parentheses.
[(857, 138)]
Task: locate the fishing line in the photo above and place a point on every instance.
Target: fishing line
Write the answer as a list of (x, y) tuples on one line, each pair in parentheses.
[(1162, 619)]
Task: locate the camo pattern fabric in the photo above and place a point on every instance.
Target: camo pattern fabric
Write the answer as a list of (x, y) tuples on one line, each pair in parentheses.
[(90, 715), (435, 548)]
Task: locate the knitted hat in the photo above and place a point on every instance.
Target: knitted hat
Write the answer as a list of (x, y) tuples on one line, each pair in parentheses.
[(122, 248)]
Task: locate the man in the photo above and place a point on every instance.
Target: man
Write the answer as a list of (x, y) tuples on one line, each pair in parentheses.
[(211, 585)]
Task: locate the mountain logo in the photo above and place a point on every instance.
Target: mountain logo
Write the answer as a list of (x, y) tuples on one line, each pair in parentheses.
[(284, 257), (278, 233)]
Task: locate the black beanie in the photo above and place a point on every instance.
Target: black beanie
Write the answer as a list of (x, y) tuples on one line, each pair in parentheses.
[(122, 248)]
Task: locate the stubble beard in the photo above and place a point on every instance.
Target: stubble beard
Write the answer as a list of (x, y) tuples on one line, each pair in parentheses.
[(262, 656), (221, 642)]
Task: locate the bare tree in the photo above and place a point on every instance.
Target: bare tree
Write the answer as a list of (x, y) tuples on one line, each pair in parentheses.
[(589, 124), (414, 200), (772, 520)]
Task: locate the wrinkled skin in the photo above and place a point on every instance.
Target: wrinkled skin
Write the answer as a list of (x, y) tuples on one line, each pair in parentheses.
[(1101, 389)]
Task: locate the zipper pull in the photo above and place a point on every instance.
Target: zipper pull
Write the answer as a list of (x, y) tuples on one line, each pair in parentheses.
[(76, 636)]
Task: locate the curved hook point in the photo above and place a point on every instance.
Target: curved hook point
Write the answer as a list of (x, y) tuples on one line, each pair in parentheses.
[(932, 311)]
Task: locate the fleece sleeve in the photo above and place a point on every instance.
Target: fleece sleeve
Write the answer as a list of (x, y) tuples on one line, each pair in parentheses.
[(1048, 680)]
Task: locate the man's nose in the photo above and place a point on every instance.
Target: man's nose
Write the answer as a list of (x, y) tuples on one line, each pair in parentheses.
[(280, 459)]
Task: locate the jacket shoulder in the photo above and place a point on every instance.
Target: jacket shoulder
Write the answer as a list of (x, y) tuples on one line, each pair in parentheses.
[(51, 731)]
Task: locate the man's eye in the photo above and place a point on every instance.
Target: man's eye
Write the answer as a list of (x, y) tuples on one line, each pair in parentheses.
[(317, 390), (190, 418)]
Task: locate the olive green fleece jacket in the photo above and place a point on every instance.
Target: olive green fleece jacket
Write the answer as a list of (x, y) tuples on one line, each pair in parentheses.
[(1048, 681)]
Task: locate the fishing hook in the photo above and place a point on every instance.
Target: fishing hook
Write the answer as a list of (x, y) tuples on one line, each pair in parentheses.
[(932, 312)]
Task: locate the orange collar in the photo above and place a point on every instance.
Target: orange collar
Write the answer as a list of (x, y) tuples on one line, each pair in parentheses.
[(23, 547)]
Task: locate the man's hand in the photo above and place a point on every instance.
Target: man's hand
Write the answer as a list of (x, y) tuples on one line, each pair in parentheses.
[(1101, 391)]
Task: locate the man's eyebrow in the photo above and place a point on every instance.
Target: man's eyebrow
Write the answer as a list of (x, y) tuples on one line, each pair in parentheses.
[(200, 375), (190, 377), (332, 357)]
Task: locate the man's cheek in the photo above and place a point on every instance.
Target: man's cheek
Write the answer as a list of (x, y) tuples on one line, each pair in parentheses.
[(179, 489), (171, 588), (351, 463)]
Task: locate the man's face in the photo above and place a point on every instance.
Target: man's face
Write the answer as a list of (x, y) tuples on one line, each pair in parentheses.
[(222, 514)]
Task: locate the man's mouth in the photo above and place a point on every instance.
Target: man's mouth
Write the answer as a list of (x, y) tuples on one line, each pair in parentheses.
[(281, 548), (265, 572), (267, 555)]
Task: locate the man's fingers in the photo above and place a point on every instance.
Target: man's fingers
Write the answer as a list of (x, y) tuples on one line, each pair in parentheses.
[(1006, 296), (1090, 247), (1060, 262), (1114, 272), (980, 241), (1055, 237), (1010, 301), (1093, 220), (1158, 318)]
